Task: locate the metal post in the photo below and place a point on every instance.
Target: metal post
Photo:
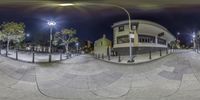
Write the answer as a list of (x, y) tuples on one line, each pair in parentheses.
[(130, 50), (108, 57), (160, 52), (16, 54), (167, 51), (0, 51), (33, 59), (60, 56), (119, 58), (102, 56), (6, 52), (50, 41), (150, 54)]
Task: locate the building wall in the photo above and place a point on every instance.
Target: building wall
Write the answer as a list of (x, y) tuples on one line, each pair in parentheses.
[(101, 46), (146, 36)]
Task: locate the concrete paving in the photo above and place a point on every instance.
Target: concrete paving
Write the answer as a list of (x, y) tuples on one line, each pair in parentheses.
[(174, 77)]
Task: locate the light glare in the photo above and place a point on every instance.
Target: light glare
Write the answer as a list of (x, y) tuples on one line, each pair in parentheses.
[(51, 23), (66, 4)]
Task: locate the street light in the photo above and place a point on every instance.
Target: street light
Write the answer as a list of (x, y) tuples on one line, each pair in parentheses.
[(27, 35), (51, 24), (77, 44), (194, 44), (112, 5)]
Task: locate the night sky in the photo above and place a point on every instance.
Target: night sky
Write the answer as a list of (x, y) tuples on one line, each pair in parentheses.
[(91, 23)]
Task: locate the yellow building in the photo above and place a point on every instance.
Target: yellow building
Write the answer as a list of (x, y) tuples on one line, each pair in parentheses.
[(102, 46)]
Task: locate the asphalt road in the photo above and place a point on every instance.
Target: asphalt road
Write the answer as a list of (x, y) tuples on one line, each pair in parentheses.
[(175, 77)]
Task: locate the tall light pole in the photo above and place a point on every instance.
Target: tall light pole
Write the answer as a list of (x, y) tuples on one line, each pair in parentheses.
[(111, 5), (51, 24), (77, 45), (194, 37), (177, 35)]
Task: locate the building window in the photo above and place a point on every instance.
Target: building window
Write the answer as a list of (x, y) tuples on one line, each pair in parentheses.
[(133, 27), (123, 39), (146, 39), (161, 41), (121, 28)]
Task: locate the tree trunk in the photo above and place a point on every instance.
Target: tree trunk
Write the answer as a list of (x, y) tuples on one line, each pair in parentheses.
[(7, 48), (67, 48)]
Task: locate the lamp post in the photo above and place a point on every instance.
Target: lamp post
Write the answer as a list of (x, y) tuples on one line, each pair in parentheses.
[(111, 5), (194, 44), (51, 24), (77, 45)]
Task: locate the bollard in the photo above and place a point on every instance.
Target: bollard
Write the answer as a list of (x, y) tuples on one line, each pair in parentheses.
[(60, 56), (16, 54), (150, 54), (119, 58), (49, 57), (67, 56), (102, 56), (160, 52), (6, 52), (0, 51), (108, 57), (33, 58), (167, 51)]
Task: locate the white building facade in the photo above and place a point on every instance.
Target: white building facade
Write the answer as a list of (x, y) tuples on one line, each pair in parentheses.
[(147, 36)]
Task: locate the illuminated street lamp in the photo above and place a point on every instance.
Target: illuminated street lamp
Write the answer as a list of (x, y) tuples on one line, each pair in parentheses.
[(112, 5), (51, 24), (193, 37), (77, 45), (27, 35)]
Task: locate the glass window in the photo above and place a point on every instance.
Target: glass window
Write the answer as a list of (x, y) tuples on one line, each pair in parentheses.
[(146, 39), (123, 39), (161, 41), (121, 28)]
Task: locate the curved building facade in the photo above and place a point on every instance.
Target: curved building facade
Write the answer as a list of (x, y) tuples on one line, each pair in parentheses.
[(147, 36)]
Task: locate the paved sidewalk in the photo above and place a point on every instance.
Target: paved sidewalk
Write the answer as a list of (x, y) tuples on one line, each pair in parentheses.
[(175, 77)]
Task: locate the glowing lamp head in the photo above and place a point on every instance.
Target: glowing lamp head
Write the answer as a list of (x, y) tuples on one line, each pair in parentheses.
[(193, 36), (77, 44), (28, 35), (51, 23)]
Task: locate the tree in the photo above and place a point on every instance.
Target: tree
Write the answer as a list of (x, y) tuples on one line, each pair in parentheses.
[(66, 36), (12, 31)]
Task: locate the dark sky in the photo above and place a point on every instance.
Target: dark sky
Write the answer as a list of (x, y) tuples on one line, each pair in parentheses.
[(92, 23)]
